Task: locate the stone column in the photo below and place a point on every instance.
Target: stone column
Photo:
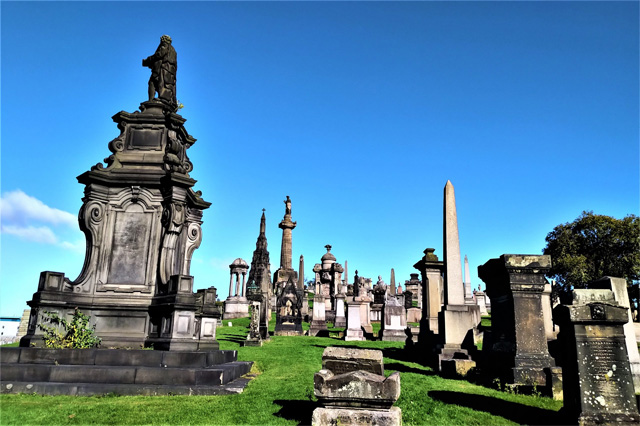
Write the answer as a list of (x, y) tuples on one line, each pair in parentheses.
[(238, 289), (244, 284), (515, 284), (468, 293), (301, 274), (231, 284), (432, 288), (454, 291)]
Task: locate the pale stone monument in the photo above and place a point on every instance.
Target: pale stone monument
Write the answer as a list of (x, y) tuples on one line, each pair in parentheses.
[(519, 344), (468, 293), (237, 304), (481, 301), (414, 285), (319, 319), (394, 321), (353, 391), (328, 280), (354, 325), (392, 283), (340, 320), (142, 221), (597, 378), (431, 270), (458, 319), (305, 300), (549, 329), (286, 271)]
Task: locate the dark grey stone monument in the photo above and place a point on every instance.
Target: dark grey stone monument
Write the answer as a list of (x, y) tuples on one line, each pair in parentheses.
[(259, 287), (288, 310), (141, 218), (597, 378), (518, 350)]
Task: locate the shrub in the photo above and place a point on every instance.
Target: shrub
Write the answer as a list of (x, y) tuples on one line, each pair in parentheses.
[(64, 334)]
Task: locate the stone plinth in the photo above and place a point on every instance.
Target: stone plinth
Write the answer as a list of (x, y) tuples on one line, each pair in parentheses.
[(414, 315), (354, 324), (352, 389), (365, 313), (597, 379), (431, 270), (481, 301), (318, 321), (340, 319), (515, 284), (235, 307)]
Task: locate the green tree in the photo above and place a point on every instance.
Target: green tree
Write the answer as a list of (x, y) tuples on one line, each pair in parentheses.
[(593, 246)]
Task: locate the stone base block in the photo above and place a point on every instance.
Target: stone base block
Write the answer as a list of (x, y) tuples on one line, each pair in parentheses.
[(235, 308), (252, 342), (353, 335), (556, 383), (316, 327), (394, 335), (456, 367), (288, 333), (608, 419), (414, 314), (353, 417), (340, 322)]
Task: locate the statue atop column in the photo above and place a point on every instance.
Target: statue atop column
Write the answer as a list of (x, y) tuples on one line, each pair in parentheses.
[(163, 64)]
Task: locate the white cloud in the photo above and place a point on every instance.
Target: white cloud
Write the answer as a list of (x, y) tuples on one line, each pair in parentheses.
[(79, 246), (16, 207), (38, 234)]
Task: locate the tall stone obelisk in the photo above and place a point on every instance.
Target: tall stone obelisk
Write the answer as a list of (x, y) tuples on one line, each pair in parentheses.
[(468, 293), (392, 283), (301, 273), (454, 290), (458, 320), (285, 271)]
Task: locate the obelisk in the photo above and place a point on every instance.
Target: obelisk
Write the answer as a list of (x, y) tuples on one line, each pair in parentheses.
[(468, 293), (392, 283), (454, 290)]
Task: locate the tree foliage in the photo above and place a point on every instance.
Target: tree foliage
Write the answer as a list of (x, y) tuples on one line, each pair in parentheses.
[(63, 334), (593, 246)]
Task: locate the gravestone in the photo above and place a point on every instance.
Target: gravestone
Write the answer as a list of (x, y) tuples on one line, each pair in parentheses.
[(142, 221), (519, 351), (352, 390), (394, 321), (354, 324), (597, 380), (340, 320), (319, 320), (254, 338)]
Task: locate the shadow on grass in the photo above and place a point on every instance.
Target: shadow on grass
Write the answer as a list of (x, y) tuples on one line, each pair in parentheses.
[(297, 410), (518, 413), (395, 366)]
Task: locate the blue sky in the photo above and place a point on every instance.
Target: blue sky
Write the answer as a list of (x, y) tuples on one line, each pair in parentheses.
[(359, 111)]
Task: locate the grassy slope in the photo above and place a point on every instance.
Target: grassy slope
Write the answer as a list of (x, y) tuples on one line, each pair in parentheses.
[(283, 394)]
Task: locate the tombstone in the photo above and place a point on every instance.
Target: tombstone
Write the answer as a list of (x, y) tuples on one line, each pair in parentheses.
[(619, 288), (519, 351), (340, 320), (481, 301), (408, 299), (354, 324), (352, 390), (395, 321), (254, 338), (142, 221), (288, 310), (328, 275), (597, 379), (318, 321), (414, 285), (256, 294), (432, 282)]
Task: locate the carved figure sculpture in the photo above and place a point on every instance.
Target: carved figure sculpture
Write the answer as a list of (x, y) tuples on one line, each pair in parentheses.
[(164, 65)]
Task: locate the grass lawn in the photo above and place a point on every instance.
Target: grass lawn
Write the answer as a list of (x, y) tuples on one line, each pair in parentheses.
[(282, 393)]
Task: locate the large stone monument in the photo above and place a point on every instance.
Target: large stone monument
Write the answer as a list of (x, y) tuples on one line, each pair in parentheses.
[(518, 350), (431, 270), (458, 319), (237, 305), (259, 282), (352, 389), (141, 219), (286, 271), (328, 275), (597, 379), (394, 321)]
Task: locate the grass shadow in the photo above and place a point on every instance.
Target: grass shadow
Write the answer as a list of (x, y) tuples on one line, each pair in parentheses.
[(405, 369), (518, 413), (297, 410)]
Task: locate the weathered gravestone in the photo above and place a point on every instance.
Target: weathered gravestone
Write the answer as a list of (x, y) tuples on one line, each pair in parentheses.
[(142, 221), (518, 349), (597, 380), (352, 389), (288, 311), (254, 338), (394, 321)]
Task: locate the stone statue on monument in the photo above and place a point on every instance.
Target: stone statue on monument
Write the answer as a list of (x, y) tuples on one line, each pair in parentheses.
[(287, 203), (164, 65)]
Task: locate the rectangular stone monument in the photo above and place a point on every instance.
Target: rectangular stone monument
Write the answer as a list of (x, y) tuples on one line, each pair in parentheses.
[(319, 321), (597, 379), (340, 320), (515, 283), (354, 325), (619, 288), (394, 322)]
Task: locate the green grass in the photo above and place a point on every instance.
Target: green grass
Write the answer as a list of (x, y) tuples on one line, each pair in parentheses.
[(282, 393)]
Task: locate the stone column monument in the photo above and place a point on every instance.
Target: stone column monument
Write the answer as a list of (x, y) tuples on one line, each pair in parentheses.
[(141, 218), (237, 305), (281, 276), (431, 270), (515, 283)]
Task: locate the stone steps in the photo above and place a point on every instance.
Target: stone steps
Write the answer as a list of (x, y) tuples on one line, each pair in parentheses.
[(130, 372)]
